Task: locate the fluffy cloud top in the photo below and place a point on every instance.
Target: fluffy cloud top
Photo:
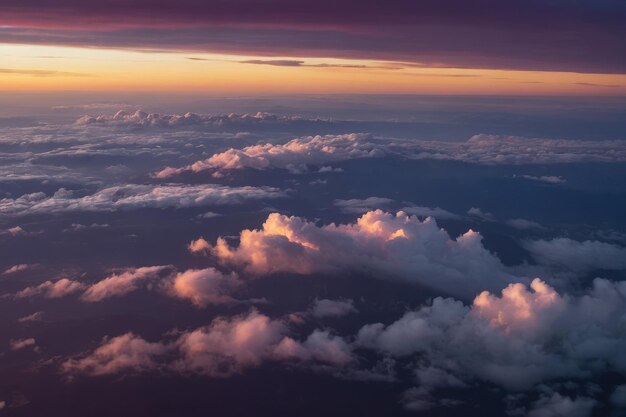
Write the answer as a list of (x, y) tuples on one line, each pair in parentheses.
[(199, 286), (294, 155), (135, 196), (225, 347), (123, 283), (523, 337), (577, 256), (204, 286), (127, 352), (399, 246)]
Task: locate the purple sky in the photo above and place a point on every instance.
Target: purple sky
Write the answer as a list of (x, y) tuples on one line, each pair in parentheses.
[(581, 36)]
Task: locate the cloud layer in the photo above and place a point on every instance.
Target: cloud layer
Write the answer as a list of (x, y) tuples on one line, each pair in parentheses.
[(299, 154), (133, 197)]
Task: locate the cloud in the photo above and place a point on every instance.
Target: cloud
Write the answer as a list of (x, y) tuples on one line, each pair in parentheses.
[(618, 397), (518, 339), (477, 212), (577, 256), (226, 347), (14, 231), (361, 206), (17, 268), (332, 308), (127, 352), (76, 227), (298, 63), (294, 156), (123, 283), (52, 289), (436, 212), (204, 286), (140, 118), (201, 287), (523, 224), (299, 154), (20, 344), (557, 405), (550, 179), (134, 197), (229, 346), (31, 317), (379, 243)]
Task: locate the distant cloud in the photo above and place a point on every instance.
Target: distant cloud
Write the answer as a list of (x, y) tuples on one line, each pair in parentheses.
[(133, 197), (31, 317), (14, 231), (42, 73), (17, 268), (361, 206), (140, 118), (322, 308), (551, 179), (436, 212), (294, 156), (477, 212), (523, 224), (298, 155), (298, 63), (52, 289), (577, 256), (120, 284), (75, 227), (20, 344)]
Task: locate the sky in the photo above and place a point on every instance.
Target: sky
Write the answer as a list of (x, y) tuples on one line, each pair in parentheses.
[(293, 208), (277, 47)]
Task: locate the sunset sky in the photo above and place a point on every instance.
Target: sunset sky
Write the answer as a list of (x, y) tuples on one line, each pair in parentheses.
[(265, 47), (311, 208)]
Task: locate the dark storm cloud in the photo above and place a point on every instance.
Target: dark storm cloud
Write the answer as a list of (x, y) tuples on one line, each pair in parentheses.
[(558, 35)]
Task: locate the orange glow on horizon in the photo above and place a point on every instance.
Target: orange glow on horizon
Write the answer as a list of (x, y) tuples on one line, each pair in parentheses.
[(48, 68)]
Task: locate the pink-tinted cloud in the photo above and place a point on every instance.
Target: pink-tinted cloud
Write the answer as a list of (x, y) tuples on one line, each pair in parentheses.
[(386, 245), (204, 286), (52, 289), (123, 283), (127, 352), (225, 347), (20, 344), (515, 340)]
